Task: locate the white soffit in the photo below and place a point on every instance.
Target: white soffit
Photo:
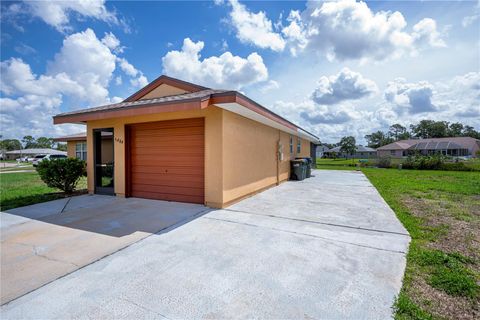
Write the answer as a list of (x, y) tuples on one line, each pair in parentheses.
[(247, 113)]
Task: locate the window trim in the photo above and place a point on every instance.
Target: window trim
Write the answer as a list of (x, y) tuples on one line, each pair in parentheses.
[(81, 151)]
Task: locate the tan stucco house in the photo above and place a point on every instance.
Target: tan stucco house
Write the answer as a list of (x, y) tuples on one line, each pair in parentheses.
[(449, 146), (177, 141)]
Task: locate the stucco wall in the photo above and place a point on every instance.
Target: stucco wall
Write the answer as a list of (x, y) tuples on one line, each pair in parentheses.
[(240, 154), (250, 158), (387, 153), (213, 148), (71, 148), (162, 91)]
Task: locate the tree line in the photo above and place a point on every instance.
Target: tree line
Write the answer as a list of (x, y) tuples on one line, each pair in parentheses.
[(425, 129), (29, 142)]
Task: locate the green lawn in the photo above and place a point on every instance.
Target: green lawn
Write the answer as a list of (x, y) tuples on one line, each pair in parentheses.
[(25, 188), (441, 211)]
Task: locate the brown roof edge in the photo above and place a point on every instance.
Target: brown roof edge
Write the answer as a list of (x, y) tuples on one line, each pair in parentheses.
[(135, 110), (163, 79), (234, 96)]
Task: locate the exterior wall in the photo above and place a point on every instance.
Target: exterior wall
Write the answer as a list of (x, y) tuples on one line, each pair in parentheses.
[(213, 148), (162, 91), (241, 155), (250, 156), (71, 145), (388, 153)]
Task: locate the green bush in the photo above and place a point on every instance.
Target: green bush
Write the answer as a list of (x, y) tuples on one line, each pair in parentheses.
[(421, 162), (384, 162), (455, 166), (62, 174)]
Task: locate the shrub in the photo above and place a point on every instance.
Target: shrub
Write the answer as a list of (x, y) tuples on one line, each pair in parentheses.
[(455, 166), (421, 162), (384, 162), (62, 174)]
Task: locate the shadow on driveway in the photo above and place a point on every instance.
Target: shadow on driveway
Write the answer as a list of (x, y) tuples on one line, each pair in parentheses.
[(43, 242)]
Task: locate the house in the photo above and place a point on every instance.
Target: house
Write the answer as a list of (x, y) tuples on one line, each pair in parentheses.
[(453, 146), (361, 153), (178, 141), (77, 145), (320, 151), (16, 154)]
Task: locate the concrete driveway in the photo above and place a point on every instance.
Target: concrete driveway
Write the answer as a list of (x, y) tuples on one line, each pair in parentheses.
[(43, 242), (327, 247)]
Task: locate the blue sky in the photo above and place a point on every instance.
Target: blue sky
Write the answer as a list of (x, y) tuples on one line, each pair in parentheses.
[(339, 68)]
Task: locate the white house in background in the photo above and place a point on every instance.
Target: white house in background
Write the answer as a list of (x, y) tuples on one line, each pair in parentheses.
[(320, 151), (16, 154)]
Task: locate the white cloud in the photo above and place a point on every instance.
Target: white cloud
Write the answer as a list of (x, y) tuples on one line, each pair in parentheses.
[(351, 30), (271, 85), (80, 73), (410, 97), (224, 71), (112, 42), (425, 33), (255, 28), (469, 20), (346, 85), (58, 13)]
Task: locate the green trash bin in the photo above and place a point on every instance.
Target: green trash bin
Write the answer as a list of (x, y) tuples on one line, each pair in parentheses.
[(298, 169), (308, 165)]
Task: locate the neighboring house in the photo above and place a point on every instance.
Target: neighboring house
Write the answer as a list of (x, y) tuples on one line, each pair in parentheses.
[(77, 145), (321, 150), (16, 154), (177, 141), (454, 146), (361, 153)]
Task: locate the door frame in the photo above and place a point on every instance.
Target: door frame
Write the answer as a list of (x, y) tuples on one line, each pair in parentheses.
[(102, 190)]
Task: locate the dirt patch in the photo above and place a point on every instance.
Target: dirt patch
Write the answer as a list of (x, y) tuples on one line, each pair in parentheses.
[(441, 304), (458, 216), (454, 221)]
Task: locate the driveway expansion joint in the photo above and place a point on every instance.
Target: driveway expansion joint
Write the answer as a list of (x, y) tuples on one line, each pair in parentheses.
[(319, 222), (307, 235)]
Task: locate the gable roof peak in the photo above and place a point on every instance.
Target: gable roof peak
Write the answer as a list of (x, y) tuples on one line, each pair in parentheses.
[(164, 79)]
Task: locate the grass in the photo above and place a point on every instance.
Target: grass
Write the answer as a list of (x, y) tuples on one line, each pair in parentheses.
[(26, 188), (441, 211)]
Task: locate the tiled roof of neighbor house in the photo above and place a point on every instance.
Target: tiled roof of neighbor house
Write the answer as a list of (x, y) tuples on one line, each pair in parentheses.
[(191, 96), (36, 151), (359, 149), (433, 144)]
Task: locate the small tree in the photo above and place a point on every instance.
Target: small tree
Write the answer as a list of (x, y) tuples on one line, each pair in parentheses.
[(347, 145), (62, 174)]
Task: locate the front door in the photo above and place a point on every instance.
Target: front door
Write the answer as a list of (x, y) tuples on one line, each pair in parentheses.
[(103, 158)]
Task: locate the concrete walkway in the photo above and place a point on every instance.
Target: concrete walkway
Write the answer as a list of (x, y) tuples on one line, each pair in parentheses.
[(327, 247)]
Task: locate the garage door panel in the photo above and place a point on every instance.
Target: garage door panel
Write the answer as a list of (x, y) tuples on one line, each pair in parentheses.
[(193, 178), (169, 197), (168, 189), (167, 160), (159, 143), (179, 170), (159, 151)]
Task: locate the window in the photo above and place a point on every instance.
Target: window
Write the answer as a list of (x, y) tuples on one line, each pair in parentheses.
[(299, 145), (291, 145), (392, 152), (81, 150)]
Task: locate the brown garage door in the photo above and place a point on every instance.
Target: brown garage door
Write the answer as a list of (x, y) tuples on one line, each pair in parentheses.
[(167, 160)]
